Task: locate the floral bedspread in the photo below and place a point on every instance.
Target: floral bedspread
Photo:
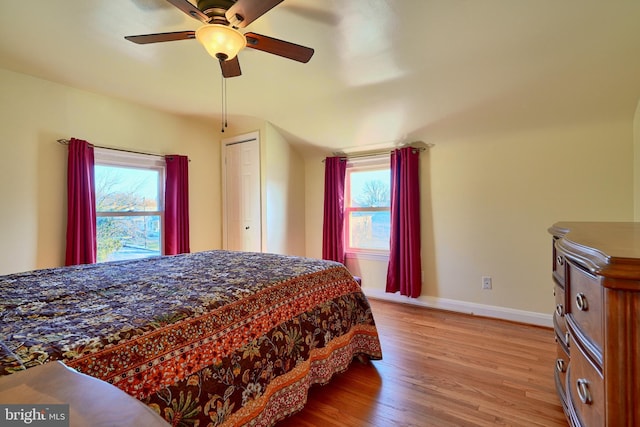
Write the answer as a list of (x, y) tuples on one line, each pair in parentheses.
[(209, 338)]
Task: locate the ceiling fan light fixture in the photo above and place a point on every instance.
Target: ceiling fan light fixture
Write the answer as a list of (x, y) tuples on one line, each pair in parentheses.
[(221, 41)]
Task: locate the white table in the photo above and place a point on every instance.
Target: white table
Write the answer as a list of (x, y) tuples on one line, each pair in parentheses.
[(92, 402)]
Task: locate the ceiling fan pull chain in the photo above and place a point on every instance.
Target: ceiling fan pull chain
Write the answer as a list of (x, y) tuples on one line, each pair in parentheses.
[(222, 120), (226, 101)]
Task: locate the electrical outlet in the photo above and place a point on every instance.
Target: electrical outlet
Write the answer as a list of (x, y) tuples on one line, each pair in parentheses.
[(486, 282)]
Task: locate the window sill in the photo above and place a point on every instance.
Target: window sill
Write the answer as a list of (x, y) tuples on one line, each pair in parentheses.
[(370, 256)]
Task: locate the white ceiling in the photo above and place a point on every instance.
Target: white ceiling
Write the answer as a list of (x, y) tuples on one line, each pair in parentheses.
[(384, 71)]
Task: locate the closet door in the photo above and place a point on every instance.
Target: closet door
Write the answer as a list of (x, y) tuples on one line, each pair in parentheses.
[(242, 230)]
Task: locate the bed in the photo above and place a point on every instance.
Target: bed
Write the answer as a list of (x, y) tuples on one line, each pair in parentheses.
[(211, 338)]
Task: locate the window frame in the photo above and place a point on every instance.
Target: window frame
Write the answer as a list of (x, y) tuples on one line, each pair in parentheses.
[(125, 159), (371, 163)]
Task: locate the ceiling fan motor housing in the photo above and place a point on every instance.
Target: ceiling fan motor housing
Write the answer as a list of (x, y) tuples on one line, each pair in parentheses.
[(216, 9)]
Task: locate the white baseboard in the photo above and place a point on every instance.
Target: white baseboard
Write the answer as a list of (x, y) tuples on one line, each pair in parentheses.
[(530, 317)]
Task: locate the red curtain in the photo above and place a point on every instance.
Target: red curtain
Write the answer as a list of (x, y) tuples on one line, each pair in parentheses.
[(404, 273), (333, 224), (176, 206), (81, 204)]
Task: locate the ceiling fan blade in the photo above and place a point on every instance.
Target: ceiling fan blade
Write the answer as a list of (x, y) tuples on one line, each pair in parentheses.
[(244, 12), (190, 9), (279, 47), (231, 67), (162, 37)]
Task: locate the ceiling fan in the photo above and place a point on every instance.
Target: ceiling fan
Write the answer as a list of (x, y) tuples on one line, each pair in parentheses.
[(220, 35)]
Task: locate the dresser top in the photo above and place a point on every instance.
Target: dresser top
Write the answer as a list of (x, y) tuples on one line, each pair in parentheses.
[(611, 249)]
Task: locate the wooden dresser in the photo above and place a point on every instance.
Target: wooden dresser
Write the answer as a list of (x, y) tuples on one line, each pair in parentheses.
[(596, 272)]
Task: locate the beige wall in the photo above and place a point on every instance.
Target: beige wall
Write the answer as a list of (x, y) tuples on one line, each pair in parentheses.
[(636, 162), (284, 189), (35, 113), (487, 202)]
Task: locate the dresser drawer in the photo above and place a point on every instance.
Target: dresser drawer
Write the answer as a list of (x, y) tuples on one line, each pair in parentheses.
[(585, 389), (584, 307), (558, 265), (562, 364), (558, 315)]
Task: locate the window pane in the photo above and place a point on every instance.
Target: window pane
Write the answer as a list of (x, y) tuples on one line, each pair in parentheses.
[(128, 237), (121, 189), (370, 188), (369, 230)]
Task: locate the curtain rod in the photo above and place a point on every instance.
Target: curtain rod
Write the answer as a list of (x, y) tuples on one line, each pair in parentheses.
[(374, 153), (66, 142)]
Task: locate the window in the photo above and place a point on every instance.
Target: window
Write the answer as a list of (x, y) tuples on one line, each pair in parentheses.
[(129, 204), (368, 205)]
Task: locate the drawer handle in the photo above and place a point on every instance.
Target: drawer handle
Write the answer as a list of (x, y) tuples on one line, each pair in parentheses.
[(559, 260), (583, 391), (581, 302), (560, 366), (559, 310), (566, 338)]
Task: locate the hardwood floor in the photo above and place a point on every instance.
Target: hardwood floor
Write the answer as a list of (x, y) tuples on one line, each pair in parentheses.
[(442, 369)]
